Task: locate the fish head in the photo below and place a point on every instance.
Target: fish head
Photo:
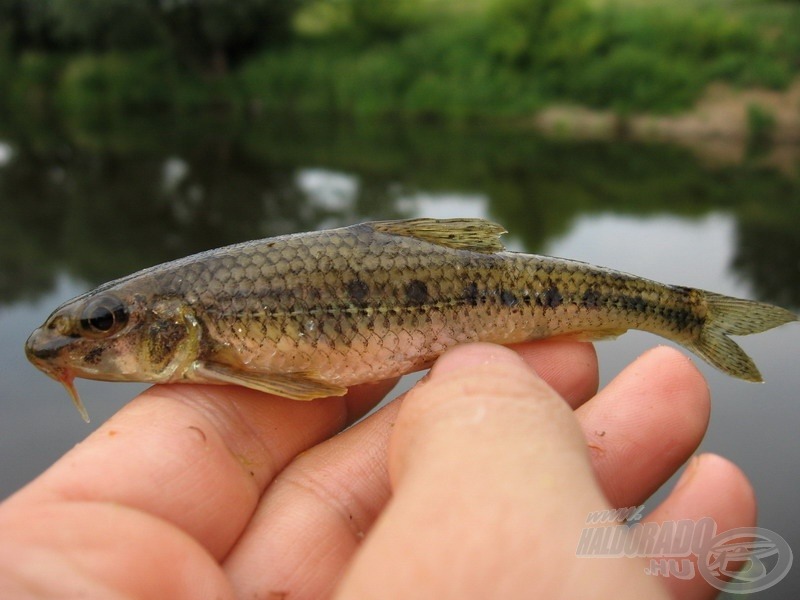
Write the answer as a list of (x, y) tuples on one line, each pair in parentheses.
[(111, 335)]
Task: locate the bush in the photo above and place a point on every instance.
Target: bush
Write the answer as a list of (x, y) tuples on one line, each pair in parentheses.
[(113, 84), (393, 57), (527, 32), (298, 79), (374, 83), (116, 82), (631, 78), (523, 54), (31, 81), (379, 20), (760, 124)]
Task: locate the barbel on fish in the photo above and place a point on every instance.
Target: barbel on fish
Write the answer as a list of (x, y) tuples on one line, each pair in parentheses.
[(307, 315)]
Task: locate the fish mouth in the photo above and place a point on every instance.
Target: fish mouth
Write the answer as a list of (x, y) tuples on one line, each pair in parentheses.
[(43, 347), (42, 352)]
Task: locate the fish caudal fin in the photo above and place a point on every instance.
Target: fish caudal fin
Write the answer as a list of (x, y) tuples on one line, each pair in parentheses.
[(733, 316)]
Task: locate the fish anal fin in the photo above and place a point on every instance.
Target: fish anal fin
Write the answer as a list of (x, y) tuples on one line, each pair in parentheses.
[(719, 350), (593, 336), (478, 235), (296, 386)]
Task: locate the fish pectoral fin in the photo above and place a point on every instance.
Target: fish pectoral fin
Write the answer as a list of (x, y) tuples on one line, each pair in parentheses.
[(478, 235), (296, 386), (593, 336)]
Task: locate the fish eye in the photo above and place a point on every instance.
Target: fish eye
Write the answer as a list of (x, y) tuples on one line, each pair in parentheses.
[(103, 316)]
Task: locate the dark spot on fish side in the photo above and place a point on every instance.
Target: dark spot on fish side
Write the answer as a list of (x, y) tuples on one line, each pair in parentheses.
[(639, 304), (625, 302), (552, 298), (683, 319), (416, 292), (471, 293), (632, 303), (94, 355), (508, 298), (358, 292), (591, 298)]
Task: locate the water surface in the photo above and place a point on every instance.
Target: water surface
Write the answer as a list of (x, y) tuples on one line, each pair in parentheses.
[(83, 205)]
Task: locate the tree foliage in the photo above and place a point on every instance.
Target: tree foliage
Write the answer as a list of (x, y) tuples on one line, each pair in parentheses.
[(101, 25), (205, 35), (217, 34), (526, 32)]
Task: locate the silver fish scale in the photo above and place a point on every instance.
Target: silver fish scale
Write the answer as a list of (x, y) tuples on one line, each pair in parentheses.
[(355, 304)]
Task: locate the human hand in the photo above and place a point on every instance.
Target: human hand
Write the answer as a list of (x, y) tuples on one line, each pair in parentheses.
[(476, 485)]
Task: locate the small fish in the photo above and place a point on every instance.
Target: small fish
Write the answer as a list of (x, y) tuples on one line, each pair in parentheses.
[(308, 315)]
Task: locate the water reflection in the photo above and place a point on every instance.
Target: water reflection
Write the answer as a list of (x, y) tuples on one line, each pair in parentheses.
[(328, 189), (5, 153), (99, 205), (80, 207)]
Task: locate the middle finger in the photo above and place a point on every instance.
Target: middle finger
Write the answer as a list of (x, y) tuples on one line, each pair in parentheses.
[(645, 424)]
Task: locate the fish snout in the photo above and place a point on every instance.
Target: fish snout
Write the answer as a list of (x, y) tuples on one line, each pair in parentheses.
[(42, 347)]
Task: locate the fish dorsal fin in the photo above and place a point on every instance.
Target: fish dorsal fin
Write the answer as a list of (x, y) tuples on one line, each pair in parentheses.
[(478, 235)]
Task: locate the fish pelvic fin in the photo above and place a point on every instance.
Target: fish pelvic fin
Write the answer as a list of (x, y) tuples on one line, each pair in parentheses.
[(295, 386), (733, 316), (478, 235)]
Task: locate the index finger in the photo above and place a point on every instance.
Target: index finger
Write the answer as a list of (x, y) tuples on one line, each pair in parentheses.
[(196, 456)]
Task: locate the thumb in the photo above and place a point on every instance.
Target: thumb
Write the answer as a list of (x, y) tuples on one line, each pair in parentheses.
[(492, 485)]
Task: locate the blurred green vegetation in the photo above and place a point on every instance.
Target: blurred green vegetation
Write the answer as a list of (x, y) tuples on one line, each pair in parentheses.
[(100, 98), (101, 203), (421, 58)]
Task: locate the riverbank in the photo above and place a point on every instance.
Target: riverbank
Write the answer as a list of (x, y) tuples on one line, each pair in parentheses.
[(726, 126), (719, 74)]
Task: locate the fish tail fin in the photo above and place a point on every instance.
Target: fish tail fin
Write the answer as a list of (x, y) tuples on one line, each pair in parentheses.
[(733, 316)]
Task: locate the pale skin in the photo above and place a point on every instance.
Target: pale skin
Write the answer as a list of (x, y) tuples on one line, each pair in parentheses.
[(475, 485)]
